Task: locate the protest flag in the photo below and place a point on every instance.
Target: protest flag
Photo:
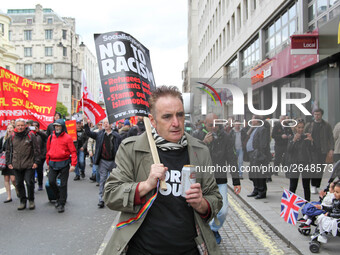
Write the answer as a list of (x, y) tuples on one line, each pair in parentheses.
[(127, 80), (23, 98), (92, 110), (86, 94), (290, 205)]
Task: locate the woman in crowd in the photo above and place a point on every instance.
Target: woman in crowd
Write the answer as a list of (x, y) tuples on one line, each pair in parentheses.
[(7, 173), (299, 158)]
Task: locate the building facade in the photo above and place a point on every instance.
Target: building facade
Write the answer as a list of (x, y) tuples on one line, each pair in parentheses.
[(51, 52), (8, 56), (264, 45)]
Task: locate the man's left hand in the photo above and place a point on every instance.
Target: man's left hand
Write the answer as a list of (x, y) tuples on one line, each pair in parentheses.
[(237, 189), (34, 166), (195, 198)]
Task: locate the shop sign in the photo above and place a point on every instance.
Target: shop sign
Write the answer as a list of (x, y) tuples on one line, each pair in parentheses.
[(304, 44)]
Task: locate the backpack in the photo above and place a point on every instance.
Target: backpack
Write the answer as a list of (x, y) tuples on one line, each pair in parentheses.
[(29, 135)]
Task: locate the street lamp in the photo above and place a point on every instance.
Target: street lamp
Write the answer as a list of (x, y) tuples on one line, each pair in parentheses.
[(73, 99)]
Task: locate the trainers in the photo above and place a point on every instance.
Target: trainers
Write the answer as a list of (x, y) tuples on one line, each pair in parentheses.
[(313, 190), (304, 226), (82, 174), (57, 204), (61, 209), (31, 205), (22, 206), (301, 220), (217, 237), (77, 178), (40, 188), (322, 238)]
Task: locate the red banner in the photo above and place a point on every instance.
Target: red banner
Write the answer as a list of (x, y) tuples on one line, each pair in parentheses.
[(71, 127), (92, 110), (23, 98)]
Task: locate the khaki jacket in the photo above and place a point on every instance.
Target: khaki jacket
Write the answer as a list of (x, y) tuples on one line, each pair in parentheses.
[(336, 135), (134, 161)]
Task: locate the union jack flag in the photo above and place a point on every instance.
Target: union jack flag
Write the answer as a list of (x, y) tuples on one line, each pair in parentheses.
[(290, 205)]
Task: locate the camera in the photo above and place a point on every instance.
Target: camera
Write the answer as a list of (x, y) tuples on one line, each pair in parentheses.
[(303, 136)]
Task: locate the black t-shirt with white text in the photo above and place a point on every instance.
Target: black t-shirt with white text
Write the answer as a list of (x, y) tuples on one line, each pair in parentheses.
[(169, 226)]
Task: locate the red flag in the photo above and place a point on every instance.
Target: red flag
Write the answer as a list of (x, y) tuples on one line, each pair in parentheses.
[(92, 110), (84, 90)]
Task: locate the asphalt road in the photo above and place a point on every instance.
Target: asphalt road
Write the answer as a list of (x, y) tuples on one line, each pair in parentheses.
[(79, 230)]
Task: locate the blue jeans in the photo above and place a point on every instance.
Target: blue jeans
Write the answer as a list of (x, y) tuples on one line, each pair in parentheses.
[(104, 169), (239, 154), (222, 214), (81, 162)]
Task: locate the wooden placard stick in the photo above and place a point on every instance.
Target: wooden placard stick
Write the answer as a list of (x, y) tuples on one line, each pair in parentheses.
[(153, 148)]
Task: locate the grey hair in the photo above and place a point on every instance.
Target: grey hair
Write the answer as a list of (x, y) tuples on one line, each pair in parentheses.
[(20, 120)]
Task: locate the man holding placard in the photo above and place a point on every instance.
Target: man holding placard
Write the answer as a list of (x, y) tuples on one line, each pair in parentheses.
[(160, 221)]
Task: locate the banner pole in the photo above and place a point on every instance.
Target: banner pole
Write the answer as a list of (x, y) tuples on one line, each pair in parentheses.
[(153, 148)]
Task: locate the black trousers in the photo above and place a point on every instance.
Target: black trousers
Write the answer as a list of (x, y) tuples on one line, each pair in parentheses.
[(40, 172), (319, 158), (26, 175), (279, 152), (293, 183), (257, 176), (60, 192)]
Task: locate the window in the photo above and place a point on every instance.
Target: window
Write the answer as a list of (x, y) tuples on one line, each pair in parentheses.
[(279, 31), (251, 56), (232, 70), (28, 70), (29, 21), (2, 29), (64, 34), (49, 20), (27, 35), (320, 11), (48, 51), (320, 92), (49, 69), (48, 34), (64, 51), (28, 51)]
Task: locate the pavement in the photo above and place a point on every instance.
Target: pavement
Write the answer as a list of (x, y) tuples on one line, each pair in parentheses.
[(255, 226), (269, 209)]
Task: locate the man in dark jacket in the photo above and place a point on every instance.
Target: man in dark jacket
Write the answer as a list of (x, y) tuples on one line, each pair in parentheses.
[(41, 138), (323, 140), (60, 152), (223, 154), (107, 143), (138, 129), (81, 146), (50, 127), (281, 135), (258, 148), (23, 155), (238, 136)]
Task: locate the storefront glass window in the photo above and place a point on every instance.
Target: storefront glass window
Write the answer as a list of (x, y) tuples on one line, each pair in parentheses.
[(325, 8), (320, 92), (251, 56), (278, 32), (322, 6)]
